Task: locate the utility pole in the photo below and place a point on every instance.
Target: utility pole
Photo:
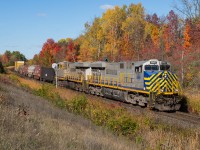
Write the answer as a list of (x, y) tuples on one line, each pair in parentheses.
[(56, 70), (55, 67), (182, 69)]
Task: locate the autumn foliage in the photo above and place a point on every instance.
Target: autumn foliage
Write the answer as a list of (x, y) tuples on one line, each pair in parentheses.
[(9, 58), (127, 33)]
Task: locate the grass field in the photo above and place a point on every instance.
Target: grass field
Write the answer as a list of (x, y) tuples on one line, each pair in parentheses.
[(193, 99), (133, 130), (30, 122)]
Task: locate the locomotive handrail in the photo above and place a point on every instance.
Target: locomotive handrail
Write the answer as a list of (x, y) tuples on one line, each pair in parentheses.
[(110, 81)]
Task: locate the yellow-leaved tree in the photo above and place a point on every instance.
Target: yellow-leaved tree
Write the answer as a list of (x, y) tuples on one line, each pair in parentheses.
[(112, 21), (134, 27)]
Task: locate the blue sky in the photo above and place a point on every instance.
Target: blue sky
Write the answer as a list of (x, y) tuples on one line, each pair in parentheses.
[(26, 24)]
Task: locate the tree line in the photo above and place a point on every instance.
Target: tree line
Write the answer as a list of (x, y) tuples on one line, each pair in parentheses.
[(9, 58), (128, 33)]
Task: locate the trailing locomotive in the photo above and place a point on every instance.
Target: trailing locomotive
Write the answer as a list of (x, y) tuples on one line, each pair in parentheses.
[(145, 83)]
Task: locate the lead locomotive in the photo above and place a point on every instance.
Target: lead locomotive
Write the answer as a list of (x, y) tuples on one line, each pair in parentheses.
[(145, 83)]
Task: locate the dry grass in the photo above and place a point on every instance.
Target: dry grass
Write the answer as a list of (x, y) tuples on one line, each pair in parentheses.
[(70, 94), (24, 125), (37, 85), (43, 132), (165, 136), (33, 84), (150, 134), (193, 98)]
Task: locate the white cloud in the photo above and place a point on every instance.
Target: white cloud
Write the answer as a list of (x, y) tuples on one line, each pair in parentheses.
[(41, 14), (105, 7)]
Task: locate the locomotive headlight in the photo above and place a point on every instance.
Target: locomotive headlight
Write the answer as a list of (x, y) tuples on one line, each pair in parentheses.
[(161, 90), (176, 90)]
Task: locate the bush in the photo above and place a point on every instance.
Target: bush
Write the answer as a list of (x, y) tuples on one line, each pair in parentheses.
[(58, 101), (115, 119), (45, 91), (14, 78), (77, 104), (1, 68), (122, 125)]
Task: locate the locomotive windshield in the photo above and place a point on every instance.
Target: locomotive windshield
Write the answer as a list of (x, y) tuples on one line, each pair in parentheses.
[(151, 67), (165, 67)]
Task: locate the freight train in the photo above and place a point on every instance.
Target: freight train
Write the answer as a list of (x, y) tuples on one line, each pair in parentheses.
[(148, 83)]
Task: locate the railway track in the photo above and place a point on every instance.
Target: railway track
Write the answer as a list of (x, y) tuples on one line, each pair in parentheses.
[(192, 118), (178, 118)]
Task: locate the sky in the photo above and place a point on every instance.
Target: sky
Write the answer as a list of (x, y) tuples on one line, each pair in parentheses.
[(25, 25)]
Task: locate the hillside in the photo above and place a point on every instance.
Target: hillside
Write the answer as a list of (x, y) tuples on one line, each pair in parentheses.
[(30, 122), (60, 118)]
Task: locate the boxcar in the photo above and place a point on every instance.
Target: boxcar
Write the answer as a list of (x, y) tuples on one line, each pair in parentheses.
[(18, 64)]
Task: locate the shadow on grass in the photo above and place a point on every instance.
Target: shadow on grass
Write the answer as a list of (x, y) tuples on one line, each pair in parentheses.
[(184, 104)]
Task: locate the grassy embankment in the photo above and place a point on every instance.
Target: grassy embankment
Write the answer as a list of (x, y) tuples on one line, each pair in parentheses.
[(192, 97), (29, 122), (145, 131)]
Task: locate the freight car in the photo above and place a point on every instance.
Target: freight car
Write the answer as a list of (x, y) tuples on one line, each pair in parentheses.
[(38, 72), (47, 74), (18, 64), (31, 70), (145, 83), (24, 70)]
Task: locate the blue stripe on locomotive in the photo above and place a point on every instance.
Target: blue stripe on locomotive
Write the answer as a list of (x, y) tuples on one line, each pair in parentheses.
[(148, 74)]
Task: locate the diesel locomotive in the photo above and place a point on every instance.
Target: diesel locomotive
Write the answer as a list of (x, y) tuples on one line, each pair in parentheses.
[(148, 83)]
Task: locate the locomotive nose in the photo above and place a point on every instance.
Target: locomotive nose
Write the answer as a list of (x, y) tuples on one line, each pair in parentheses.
[(162, 82), (168, 83)]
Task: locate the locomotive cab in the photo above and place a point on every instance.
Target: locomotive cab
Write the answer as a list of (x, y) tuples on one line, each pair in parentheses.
[(165, 66), (155, 65), (63, 69), (151, 66)]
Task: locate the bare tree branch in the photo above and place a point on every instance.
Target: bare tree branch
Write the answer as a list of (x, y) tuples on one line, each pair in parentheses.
[(189, 8)]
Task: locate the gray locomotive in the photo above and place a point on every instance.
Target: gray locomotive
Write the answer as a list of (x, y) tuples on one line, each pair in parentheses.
[(145, 83)]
